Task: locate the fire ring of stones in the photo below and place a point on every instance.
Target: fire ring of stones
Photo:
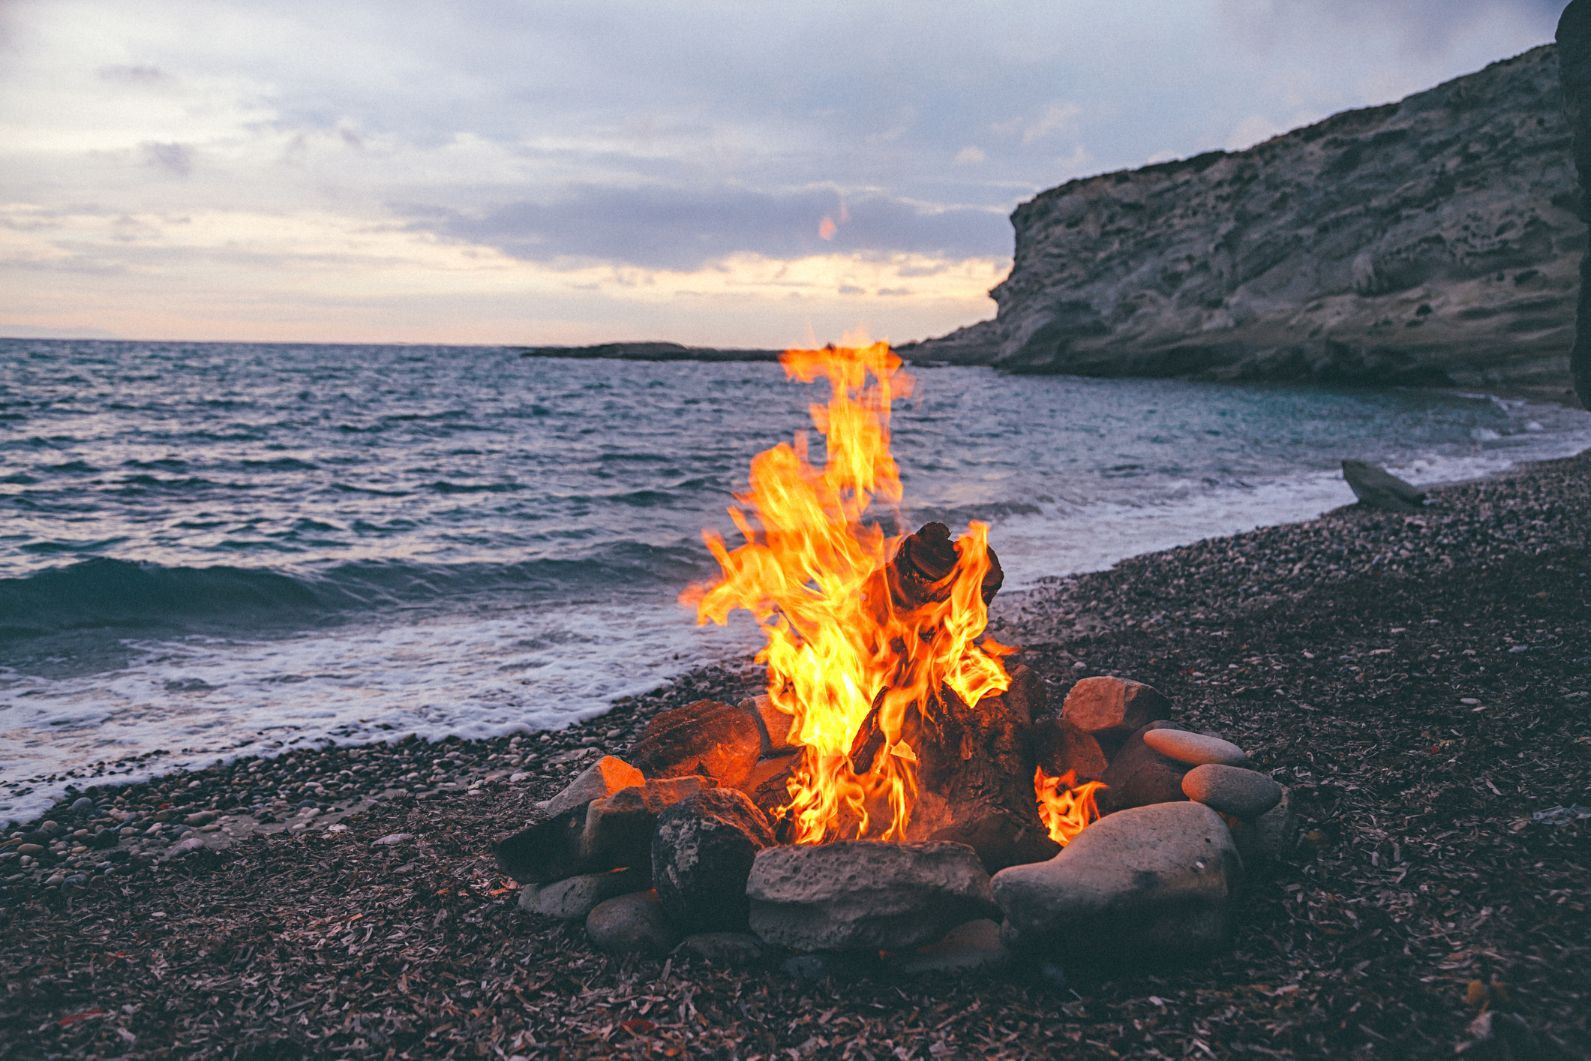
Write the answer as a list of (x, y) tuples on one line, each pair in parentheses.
[(678, 848)]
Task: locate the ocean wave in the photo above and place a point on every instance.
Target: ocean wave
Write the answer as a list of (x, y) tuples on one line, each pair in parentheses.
[(123, 595)]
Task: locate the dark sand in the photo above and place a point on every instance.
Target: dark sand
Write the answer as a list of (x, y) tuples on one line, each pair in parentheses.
[(1423, 683)]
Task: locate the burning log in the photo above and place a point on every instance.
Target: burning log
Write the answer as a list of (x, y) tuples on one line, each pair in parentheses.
[(974, 771), (921, 569)]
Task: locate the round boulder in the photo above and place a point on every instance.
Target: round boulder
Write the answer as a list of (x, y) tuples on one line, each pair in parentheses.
[(701, 856), (631, 924)]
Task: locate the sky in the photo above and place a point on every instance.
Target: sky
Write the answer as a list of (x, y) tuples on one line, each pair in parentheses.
[(715, 173)]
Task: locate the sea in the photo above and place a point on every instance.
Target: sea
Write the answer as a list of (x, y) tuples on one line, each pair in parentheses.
[(210, 550)]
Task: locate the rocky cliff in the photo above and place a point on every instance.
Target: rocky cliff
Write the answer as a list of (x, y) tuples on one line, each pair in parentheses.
[(1574, 63), (1433, 240)]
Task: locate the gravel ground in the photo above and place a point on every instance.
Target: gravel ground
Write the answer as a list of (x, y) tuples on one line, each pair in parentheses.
[(1422, 682)]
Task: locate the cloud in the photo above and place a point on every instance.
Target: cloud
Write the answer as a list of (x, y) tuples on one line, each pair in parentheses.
[(645, 138), (1051, 119), (172, 158), (682, 228), (132, 74), (1422, 27)]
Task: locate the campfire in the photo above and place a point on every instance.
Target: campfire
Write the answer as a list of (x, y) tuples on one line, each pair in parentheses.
[(875, 645), (898, 756)]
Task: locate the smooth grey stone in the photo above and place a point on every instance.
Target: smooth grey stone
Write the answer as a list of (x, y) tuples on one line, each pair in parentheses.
[(1194, 749), (1233, 790)]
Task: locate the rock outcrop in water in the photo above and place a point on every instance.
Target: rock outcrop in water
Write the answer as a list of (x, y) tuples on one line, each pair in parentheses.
[(1574, 62), (1433, 240)]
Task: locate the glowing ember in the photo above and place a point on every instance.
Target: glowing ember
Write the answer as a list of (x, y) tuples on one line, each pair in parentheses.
[(1065, 807), (814, 572)]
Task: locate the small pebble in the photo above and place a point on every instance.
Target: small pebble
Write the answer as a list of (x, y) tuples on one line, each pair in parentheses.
[(393, 838)]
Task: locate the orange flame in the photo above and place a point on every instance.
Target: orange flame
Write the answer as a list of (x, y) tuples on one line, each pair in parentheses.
[(1065, 807), (813, 572)]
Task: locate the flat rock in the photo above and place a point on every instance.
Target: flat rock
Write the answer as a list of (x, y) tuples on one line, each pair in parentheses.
[(1195, 749), (721, 741), (864, 895), (602, 778), (702, 850), (732, 949), (573, 898), (966, 948), (1233, 790), (1139, 776), (1111, 708), (1149, 883), (632, 924)]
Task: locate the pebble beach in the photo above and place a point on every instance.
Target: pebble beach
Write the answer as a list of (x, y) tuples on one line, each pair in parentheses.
[(1418, 681)]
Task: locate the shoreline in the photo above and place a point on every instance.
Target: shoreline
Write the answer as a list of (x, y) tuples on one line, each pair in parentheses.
[(1303, 498), (1417, 680), (123, 773)]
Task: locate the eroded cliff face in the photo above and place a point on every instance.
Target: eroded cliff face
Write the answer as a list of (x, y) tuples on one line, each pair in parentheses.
[(1574, 63), (1434, 240)]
